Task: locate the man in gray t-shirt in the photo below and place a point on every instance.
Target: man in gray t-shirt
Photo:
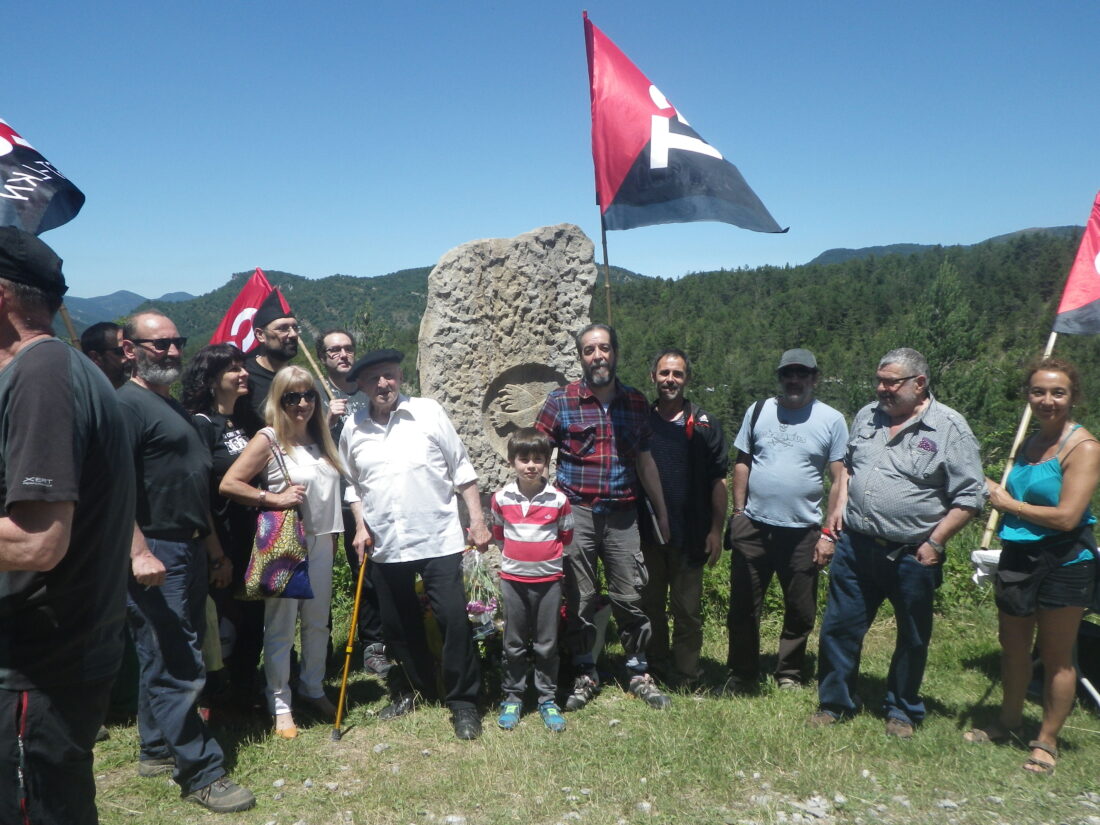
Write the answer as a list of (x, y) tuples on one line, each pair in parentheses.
[(785, 445)]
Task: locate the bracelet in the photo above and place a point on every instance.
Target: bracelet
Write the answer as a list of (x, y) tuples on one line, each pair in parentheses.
[(935, 545), (263, 498), (737, 512), (217, 563), (1019, 509), (828, 537), (825, 531)]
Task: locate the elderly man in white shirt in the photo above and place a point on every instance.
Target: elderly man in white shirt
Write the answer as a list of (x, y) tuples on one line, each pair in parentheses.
[(408, 466)]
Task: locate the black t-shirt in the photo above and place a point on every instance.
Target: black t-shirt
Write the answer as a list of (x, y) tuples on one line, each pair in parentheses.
[(234, 523), (173, 464), (63, 438), (669, 447), (259, 384)]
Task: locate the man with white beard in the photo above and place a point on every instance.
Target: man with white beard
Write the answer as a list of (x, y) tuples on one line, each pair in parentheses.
[(168, 622), (785, 445)]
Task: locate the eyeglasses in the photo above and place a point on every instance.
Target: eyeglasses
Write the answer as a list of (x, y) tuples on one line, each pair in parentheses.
[(293, 399), (892, 384), (795, 372), (348, 348), (162, 344), (284, 330)]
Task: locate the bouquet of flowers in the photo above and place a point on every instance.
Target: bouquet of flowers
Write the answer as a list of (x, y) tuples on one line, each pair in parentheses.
[(482, 595)]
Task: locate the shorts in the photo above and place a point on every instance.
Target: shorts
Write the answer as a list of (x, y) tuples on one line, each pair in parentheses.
[(1035, 576)]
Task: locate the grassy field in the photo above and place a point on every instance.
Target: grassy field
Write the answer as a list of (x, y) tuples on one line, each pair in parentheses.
[(707, 760)]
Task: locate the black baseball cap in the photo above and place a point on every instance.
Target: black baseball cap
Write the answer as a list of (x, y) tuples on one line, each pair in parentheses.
[(378, 356), (27, 260)]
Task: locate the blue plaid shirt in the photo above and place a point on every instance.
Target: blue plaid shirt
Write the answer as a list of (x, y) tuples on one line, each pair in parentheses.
[(596, 449)]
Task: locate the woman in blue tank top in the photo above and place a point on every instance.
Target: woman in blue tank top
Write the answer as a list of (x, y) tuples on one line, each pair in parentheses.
[(1047, 570)]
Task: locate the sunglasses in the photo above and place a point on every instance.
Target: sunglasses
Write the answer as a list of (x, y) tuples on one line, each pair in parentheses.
[(115, 350), (795, 372), (162, 344), (292, 399)]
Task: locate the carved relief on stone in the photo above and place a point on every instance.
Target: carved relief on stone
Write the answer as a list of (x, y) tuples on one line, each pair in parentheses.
[(513, 399)]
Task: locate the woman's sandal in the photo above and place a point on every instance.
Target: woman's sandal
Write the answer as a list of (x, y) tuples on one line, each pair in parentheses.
[(995, 734), (1033, 765)]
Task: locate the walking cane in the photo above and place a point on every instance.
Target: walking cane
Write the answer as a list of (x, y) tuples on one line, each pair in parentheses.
[(336, 733)]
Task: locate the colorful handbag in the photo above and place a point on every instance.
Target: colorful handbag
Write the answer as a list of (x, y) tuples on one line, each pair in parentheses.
[(279, 564)]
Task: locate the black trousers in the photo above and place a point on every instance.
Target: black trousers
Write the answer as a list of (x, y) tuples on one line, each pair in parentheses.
[(46, 741), (403, 629)]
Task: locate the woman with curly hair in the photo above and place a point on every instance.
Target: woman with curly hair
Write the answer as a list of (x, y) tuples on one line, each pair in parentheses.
[(215, 392), (298, 433)]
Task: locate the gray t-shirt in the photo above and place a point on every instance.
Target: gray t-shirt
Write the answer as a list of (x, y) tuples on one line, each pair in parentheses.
[(791, 451)]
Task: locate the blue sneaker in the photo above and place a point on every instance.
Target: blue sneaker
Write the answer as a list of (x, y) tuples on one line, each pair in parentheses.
[(551, 717), (509, 715)]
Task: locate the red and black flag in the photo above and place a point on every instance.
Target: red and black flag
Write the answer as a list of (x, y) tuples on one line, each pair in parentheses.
[(1079, 311), (651, 166), (237, 325), (34, 196)]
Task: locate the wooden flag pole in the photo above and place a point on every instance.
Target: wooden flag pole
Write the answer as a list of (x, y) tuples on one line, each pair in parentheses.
[(1021, 431), (606, 270), (317, 371), (69, 326)]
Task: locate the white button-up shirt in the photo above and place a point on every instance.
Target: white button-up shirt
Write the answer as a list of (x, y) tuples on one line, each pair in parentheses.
[(406, 473)]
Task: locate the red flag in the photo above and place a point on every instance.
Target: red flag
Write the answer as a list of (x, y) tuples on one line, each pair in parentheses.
[(651, 166), (34, 196), (236, 326), (1079, 311)]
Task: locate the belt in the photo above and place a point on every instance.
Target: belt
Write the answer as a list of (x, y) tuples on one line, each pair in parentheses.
[(896, 548)]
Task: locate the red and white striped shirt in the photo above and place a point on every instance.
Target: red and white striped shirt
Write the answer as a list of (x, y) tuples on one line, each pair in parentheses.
[(532, 531)]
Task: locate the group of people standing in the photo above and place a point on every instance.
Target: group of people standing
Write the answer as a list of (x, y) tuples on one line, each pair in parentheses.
[(94, 477)]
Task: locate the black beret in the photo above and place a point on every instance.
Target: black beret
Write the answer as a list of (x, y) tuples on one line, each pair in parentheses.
[(378, 356), (27, 260)]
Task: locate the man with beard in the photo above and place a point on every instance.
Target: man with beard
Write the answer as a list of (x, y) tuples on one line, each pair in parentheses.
[(102, 343), (601, 430), (276, 332), (785, 444), (65, 528), (914, 479), (409, 466), (690, 452), (336, 350), (168, 623)]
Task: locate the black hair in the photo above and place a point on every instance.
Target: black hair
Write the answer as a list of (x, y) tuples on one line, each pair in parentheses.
[(99, 337)]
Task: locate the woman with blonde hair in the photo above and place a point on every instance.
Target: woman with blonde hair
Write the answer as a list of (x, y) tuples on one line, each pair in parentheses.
[(296, 434)]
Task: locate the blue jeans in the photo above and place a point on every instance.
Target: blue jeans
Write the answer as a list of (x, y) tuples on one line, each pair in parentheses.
[(168, 624), (861, 577)]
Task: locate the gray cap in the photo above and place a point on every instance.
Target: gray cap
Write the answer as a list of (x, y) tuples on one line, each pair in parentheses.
[(798, 358)]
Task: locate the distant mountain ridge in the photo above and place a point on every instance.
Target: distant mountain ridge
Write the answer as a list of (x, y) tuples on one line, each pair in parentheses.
[(840, 255)]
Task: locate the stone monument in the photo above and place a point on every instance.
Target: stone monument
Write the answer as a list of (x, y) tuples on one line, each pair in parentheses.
[(497, 334)]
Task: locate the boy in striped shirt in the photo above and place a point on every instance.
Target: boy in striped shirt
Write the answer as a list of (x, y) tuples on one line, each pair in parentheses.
[(533, 522)]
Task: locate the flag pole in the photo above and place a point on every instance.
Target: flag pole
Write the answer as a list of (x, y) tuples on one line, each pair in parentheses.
[(69, 326), (606, 270), (1025, 419), (317, 372)]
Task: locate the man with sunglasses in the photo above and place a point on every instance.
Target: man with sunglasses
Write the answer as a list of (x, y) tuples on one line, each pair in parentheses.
[(336, 351), (102, 343), (276, 330), (914, 478), (173, 519), (785, 445)]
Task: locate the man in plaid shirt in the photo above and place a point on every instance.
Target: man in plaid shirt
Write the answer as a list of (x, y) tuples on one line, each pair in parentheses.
[(601, 430)]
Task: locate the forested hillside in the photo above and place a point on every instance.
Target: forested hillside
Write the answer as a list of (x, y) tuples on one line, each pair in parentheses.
[(977, 312)]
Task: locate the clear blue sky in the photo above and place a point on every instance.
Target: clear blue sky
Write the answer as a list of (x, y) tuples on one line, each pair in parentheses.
[(213, 136)]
